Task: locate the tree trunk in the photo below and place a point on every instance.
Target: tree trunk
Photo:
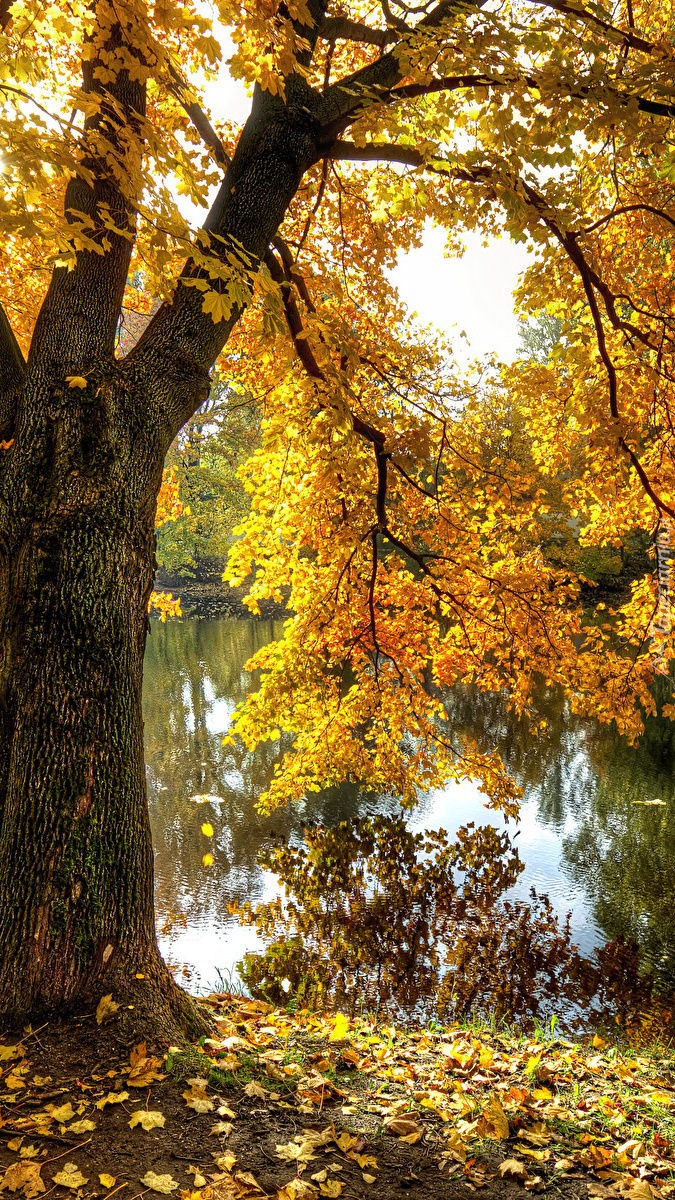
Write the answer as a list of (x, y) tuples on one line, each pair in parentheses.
[(78, 492)]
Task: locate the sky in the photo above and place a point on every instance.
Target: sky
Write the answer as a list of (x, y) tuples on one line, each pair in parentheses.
[(473, 293)]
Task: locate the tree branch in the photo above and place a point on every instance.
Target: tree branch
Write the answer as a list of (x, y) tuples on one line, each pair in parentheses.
[(78, 319), (341, 28), (199, 119)]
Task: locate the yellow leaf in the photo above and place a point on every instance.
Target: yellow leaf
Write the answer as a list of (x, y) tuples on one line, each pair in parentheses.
[(112, 1098), (208, 860), (330, 1188), (197, 1099), (61, 1113), (23, 1175), (76, 381), (341, 1027), (84, 1126), (70, 1177), (107, 1007), (108, 1181), (207, 829), (160, 1183), (148, 1120)]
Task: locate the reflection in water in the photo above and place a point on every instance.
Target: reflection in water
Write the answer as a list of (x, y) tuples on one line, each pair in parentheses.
[(378, 916), (589, 839)]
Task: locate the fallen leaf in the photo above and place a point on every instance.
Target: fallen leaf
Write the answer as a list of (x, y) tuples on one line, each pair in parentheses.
[(224, 1111), (61, 1113), (108, 1181), (112, 1098), (106, 1008), (76, 381), (368, 1178), (70, 1177), (160, 1183), (24, 1175), (633, 1148), (320, 1176), (207, 829), (14, 1081), (8, 1052), (138, 1053), (641, 1190), (497, 1120), (345, 1141), (199, 1179), (248, 1178), (511, 1168), (330, 1188), (148, 1120), (84, 1126), (455, 1147), (255, 1091), (302, 1152), (197, 1099), (341, 1027), (222, 1127), (145, 1071), (42, 1080), (402, 1126)]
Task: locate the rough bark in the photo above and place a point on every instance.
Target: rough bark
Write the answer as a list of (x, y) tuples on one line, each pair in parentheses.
[(78, 489)]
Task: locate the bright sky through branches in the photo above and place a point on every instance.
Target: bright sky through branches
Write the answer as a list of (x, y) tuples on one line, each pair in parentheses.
[(474, 293)]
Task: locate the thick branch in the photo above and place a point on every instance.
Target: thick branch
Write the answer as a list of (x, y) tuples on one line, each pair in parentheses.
[(78, 319), (341, 28)]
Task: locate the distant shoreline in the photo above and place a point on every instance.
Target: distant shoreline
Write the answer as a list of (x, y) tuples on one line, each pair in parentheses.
[(214, 598)]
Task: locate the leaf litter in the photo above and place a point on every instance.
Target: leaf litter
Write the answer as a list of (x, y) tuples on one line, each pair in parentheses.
[(322, 1105)]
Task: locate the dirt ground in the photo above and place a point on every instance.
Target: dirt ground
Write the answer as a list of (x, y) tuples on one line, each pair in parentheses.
[(275, 1107)]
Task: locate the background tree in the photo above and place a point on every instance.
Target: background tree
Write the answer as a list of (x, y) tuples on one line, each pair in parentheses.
[(473, 117)]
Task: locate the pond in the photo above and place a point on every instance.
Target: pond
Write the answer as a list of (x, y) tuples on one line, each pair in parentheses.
[(591, 839)]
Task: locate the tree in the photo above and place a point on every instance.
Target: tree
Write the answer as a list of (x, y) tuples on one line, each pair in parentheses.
[(410, 567)]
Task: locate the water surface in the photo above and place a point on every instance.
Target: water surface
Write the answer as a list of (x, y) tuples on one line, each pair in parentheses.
[(585, 836)]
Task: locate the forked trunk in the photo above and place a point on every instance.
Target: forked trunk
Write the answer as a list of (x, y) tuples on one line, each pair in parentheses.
[(76, 859)]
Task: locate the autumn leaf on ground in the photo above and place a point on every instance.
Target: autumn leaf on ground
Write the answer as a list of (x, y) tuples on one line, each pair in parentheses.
[(511, 1168), (497, 1120), (61, 1113), (403, 1127), (112, 1098), (108, 1181), (106, 1008), (76, 381), (145, 1071), (222, 1127), (255, 1091), (160, 1183), (84, 1126), (341, 1027), (224, 1111), (197, 1099), (9, 1052), (24, 1176), (70, 1177), (330, 1188), (296, 1152), (199, 1179), (138, 1053), (148, 1120)]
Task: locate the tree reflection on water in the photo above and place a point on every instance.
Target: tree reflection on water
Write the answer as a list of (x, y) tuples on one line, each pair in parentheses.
[(377, 914)]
